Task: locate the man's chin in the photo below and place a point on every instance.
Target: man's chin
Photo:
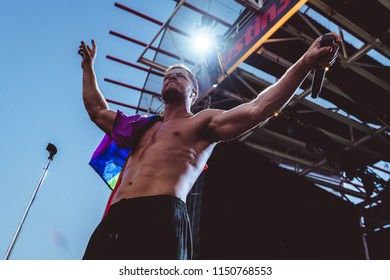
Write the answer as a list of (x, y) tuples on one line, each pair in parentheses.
[(173, 100), (171, 95)]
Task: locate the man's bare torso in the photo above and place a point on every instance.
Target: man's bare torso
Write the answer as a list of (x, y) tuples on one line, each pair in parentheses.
[(168, 159)]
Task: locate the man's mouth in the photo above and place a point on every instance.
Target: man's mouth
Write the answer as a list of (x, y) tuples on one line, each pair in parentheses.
[(171, 83)]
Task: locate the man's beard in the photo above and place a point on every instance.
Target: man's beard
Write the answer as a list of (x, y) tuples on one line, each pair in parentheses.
[(172, 95)]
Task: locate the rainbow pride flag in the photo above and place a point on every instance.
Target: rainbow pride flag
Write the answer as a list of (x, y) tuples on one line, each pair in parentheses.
[(112, 152)]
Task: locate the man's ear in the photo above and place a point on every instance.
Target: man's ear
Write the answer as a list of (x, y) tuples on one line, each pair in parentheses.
[(193, 93), (194, 96)]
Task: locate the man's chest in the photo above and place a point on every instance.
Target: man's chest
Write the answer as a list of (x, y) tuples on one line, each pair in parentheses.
[(175, 132)]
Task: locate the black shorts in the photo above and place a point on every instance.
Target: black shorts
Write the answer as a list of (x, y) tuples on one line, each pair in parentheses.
[(143, 228)]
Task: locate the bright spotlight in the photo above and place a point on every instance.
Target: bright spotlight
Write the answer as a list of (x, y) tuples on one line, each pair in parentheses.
[(203, 41)]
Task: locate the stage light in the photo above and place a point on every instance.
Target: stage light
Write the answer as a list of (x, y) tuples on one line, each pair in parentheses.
[(203, 41), (206, 44)]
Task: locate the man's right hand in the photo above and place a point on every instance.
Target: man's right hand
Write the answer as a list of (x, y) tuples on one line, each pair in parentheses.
[(87, 53), (325, 56)]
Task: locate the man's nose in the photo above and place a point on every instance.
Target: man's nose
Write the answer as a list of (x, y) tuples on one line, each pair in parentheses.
[(172, 76)]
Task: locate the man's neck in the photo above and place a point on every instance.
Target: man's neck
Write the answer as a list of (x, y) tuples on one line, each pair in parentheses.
[(168, 118), (176, 113)]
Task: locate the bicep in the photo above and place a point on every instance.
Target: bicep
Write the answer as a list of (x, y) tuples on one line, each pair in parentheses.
[(104, 119), (227, 125)]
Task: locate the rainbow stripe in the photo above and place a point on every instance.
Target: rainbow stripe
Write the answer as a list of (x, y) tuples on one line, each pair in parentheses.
[(112, 152), (108, 161)]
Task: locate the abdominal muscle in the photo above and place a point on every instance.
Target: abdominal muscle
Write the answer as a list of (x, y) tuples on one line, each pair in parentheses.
[(161, 168)]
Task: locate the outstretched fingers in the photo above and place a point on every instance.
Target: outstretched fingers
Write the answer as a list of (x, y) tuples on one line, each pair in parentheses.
[(87, 53), (93, 50), (82, 49), (88, 50)]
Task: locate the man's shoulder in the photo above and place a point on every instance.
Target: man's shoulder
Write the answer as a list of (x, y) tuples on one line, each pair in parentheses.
[(205, 117), (203, 120), (208, 114)]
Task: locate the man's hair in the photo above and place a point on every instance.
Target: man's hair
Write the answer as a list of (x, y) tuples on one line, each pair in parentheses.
[(188, 70)]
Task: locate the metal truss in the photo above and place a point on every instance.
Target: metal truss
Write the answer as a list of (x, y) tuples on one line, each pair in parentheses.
[(288, 151)]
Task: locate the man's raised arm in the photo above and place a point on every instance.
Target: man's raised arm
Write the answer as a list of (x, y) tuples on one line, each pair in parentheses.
[(94, 101), (234, 122)]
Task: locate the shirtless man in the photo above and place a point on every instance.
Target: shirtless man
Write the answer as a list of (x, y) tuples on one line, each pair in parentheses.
[(147, 218)]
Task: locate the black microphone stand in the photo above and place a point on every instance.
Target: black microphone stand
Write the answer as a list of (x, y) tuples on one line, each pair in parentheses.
[(52, 150)]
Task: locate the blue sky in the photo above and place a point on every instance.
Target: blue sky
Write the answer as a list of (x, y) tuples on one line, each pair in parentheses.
[(40, 89)]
